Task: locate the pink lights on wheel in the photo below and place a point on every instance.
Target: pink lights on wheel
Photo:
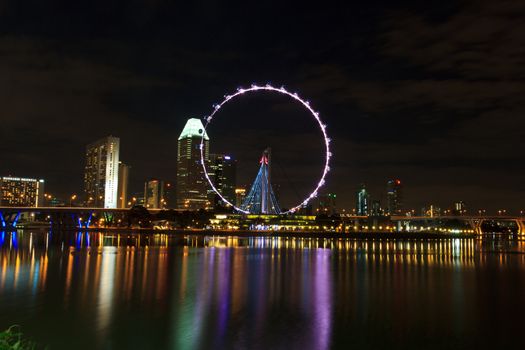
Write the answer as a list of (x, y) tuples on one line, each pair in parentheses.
[(295, 96)]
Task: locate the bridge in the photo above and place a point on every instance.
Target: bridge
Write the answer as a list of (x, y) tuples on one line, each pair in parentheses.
[(474, 221), (82, 218), (79, 217)]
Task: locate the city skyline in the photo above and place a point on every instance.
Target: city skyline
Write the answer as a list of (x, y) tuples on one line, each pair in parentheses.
[(387, 202), (445, 120)]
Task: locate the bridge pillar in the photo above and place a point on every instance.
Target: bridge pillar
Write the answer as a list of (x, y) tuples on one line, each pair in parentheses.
[(475, 224), (521, 226), (9, 219), (84, 223), (109, 218)]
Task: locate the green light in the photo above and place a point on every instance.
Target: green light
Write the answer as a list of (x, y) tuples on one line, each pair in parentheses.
[(193, 128)]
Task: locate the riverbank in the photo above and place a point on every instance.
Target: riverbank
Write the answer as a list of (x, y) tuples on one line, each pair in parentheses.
[(261, 233)]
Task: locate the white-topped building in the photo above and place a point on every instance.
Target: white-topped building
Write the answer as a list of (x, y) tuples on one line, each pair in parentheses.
[(191, 187)]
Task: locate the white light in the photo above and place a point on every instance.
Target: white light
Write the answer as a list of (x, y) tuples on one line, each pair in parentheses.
[(295, 96)]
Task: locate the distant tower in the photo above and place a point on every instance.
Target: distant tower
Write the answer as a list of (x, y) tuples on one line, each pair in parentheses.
[(154, 194), (240, 194), (102, 173), (191, 186), (362, 201), (394, 197), (326, 204), (261, 199), (123, 181), (223, 172), (459, 208)]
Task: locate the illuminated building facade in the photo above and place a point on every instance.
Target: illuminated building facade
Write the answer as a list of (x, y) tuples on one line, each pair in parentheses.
[(431, 211), (394, 197), (191, 187), (102, 173), (123, 181), (240, 194), (362, 201), (223, 172), (459, 208), (21, 192), (156, 194)]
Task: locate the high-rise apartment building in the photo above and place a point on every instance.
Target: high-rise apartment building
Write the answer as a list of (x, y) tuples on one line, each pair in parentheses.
[(21, 192), (394, 197), (102, 173), (191, 187), (123, 182), (222, 171)]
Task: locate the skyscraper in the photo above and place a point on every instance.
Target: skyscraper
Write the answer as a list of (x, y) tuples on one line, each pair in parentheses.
[(394, 197), (102, 173), (222, 171), (21, 192), (362, 201), (191, 187), (123, 181)]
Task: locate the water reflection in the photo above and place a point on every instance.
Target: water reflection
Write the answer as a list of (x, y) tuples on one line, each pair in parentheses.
[(188, 292)]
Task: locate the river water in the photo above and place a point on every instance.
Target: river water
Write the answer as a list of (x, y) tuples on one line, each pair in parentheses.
[(125, 291)]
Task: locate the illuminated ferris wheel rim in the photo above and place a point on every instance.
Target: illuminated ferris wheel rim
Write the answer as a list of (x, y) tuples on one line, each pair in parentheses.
[(295, 96)]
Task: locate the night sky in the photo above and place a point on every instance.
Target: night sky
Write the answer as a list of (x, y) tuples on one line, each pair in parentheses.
[(430, 92)]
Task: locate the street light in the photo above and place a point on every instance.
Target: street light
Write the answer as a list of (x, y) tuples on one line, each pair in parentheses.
[(73, 197)]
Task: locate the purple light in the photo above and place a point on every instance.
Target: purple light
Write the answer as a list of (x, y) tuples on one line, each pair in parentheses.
[(227, 157), (295, 96)]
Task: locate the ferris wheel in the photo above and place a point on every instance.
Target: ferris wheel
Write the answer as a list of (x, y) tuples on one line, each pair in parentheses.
[(295, 97)]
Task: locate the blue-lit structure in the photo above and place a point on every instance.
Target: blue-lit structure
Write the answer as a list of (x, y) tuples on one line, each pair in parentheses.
[(261, 198), (9, 219)]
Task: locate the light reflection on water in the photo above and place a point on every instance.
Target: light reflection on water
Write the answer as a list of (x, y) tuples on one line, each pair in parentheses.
[(95, 290)]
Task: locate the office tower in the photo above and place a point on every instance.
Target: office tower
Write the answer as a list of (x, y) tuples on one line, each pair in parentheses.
[(101, 173), (326, 204), (123, 181), (240, 193), (362, 201), (21, 192), (154, 194), (222, 171), (191, 187), (394, 197)]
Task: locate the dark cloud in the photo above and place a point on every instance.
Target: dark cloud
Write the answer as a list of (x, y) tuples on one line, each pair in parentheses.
[(479, 42), (430, 92)]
